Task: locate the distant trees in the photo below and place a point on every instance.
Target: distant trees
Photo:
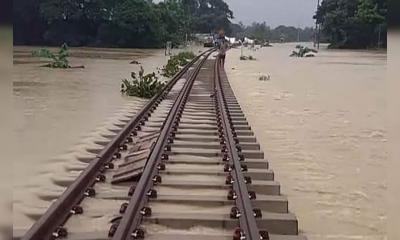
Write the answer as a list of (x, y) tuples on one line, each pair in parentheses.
[(138, 23), (6, 14), (354, 23), (122, 23), (74, 22), (263, 32), (393, 15), (28, 25), (144, 23), (208, 16)]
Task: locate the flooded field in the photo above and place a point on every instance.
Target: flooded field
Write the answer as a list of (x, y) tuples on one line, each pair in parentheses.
[(321, 122), (61, 112)]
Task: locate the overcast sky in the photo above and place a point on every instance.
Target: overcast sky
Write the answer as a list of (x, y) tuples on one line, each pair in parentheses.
[(274, 12)]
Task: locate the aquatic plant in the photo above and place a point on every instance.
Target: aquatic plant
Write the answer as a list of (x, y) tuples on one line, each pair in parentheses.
[(264, 77), (59, 60), (250, 57), (135, 62), (141, 85), (176, 62), (303, 52), (266, 44)]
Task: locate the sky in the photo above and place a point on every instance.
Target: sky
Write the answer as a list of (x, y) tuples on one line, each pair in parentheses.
[(296, 13)]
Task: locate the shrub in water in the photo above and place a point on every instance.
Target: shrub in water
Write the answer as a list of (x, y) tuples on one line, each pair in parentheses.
[(176, 62), (264, 78), (244, 58), (59, 60), (186, 55), (145, 86), (303, 52)]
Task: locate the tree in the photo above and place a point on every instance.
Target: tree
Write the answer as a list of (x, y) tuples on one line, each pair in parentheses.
[(115, 23), (262, 32), (259, 31), (208, 15), (238, 30), (137, 24), (6, 14), (394, 17), (130, 23), (28, 24), (73, 21), (173, 20), (286, 33), (353, 23), (367, 13)]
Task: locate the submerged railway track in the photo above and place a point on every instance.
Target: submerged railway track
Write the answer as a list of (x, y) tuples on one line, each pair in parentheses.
[(187, 166)]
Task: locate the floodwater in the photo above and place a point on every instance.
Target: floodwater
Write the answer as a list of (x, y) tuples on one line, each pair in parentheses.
[(321, 123), (61, 112)]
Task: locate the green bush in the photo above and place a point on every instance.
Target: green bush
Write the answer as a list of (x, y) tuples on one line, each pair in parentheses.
[(176, 62), (59, 60), (144, 86), (303, 52), (250, 57)]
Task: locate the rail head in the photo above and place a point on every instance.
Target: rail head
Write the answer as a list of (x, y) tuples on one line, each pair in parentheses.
[(245, 212), (49, 225), (129, 224)]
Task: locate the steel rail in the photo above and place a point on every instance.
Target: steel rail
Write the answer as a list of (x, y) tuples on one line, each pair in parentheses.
[(247, 221), (49, 225), (128, 227)]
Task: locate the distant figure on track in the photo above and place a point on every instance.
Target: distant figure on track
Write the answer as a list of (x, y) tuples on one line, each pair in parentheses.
[(223, 47)]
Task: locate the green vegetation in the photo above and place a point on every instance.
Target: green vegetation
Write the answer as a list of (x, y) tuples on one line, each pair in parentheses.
[(146, 86), (261, 32), (59, 60), (266, 44), (176, 62), (118, 23), (354, 23), (303, 52), (141, 85), (208, 15), (144, 23), (264, 78), (394, 16), (250, 57)]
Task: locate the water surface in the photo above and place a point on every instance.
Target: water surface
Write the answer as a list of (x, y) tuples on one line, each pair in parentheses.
[(321, 122), (60, 112)]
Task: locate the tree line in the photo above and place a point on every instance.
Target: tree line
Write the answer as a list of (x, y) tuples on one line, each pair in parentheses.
[(262, 32), (354, 23), (115, 23), (133, 23), (394, 14), (144, 23), (6, 14)]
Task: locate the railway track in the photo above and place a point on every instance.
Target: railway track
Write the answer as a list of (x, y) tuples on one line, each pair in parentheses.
[(187, 166)]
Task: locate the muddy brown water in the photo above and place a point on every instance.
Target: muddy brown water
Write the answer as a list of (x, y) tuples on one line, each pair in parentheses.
[(61, 112), (321, 122)]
